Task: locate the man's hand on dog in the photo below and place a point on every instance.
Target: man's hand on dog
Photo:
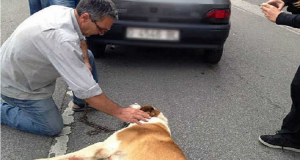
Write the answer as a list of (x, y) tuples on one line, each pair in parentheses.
[(133, 115)]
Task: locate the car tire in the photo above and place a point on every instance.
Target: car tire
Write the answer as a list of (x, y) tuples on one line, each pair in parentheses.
[(213, 56), (97, 49)]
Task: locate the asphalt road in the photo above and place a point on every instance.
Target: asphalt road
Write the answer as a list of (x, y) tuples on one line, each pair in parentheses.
[(214, 111)]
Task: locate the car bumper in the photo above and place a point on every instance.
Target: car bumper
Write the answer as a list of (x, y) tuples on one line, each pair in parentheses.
[(204, 36)]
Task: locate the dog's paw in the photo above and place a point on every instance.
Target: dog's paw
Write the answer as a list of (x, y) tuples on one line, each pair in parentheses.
[(135, 105)]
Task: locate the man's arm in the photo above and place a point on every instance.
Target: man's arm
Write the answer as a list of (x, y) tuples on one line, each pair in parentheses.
[(103, 104)]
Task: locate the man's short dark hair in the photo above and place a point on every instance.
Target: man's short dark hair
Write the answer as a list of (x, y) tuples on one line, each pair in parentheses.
[(98, 9)]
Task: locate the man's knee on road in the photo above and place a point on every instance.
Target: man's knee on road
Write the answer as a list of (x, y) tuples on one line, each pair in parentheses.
[(54, 129)]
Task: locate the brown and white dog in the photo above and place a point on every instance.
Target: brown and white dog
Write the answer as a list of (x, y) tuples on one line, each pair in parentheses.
[(149, 141)]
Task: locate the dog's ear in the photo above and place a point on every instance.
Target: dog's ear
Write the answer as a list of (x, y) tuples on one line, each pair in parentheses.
[(150, 110)]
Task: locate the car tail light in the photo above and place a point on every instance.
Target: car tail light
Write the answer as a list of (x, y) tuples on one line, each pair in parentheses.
[(218, 16)]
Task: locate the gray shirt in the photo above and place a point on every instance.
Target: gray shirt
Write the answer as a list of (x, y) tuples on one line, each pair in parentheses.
[(44, 47)]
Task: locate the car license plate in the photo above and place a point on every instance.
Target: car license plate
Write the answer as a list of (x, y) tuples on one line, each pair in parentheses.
[(152, 34)]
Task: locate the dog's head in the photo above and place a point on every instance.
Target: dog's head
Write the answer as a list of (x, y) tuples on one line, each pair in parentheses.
[(151, 111), (147, 108)]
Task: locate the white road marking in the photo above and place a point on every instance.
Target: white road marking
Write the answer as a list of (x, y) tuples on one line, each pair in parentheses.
[(68, 114), (255, 9), (70, 93), (61, 147)]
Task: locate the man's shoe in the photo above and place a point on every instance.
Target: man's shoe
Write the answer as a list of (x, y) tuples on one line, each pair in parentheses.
[(278, 141), (77, 108), (80, 108)]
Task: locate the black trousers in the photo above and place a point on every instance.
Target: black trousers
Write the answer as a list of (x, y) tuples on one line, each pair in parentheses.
[(291, 123)]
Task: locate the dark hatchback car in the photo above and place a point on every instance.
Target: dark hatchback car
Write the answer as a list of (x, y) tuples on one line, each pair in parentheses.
[(191, 24)]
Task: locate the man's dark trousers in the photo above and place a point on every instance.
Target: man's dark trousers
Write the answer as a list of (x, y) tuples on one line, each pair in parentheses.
[(291, 123)]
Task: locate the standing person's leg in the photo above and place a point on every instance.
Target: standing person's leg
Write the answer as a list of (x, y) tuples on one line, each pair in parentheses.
[(289, 136), (67, 3), (291, 124), (80, 102), (34, 6), (34, 116)]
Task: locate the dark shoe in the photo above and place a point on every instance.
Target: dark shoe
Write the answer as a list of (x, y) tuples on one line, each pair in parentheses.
[(278, 141), (79, 108)]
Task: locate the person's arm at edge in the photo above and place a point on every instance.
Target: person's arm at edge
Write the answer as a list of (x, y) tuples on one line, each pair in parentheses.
[(292, 20), (281, 18)]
